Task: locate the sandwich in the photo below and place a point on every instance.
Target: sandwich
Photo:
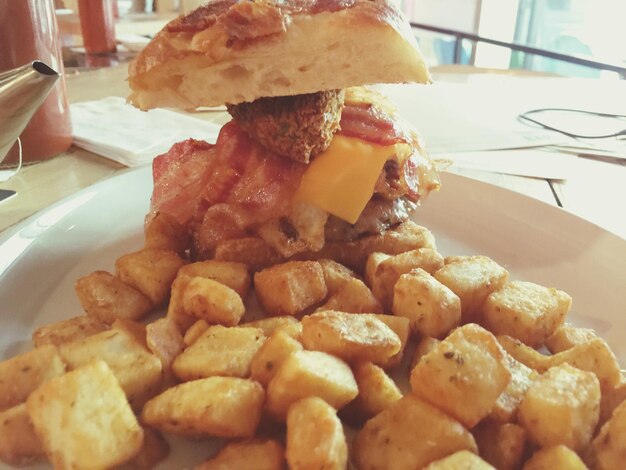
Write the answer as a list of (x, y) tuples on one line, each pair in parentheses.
[(311, 156)]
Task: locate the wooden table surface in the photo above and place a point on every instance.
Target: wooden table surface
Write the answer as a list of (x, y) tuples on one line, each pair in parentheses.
[(595, 191)]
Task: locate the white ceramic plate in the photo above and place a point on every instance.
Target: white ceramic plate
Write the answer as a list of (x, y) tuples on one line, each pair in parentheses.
[(42, 257)]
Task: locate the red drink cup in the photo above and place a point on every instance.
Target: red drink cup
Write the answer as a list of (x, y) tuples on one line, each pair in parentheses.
[(97, 23)]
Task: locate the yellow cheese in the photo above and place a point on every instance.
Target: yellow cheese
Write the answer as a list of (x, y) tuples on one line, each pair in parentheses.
[(341, 180)]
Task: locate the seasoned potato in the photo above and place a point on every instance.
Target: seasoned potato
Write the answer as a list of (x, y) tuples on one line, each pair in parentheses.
[(463, 375), (351, 337), (150, 271), (271, 355), (135, 329), (315, 437), (373, 261), (502, 445), (377, 391), (609, 446), (290, 288), (472, 278), (561, 407), (19, 444), (431, 307), (163, 232), (525, 354), (105, 298), (233, 275), (164, 341), (289, 325), (611, 399), (22, 374), (354, 297), (138, 371), (425, 345), (219, 351), (555, 457), (310, 373), (400, 326), (567, 336), (260, 454), (194, 332), (335, 275), (68, 330), (154, 449), (505, 408), (175, 307), (526, 311), (389, 270), (212, 301), (217, 406), (79, 431), (409, 434), (254, 252), (461, 460)]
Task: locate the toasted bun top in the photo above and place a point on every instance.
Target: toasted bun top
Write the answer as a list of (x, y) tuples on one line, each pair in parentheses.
[(230, 52)]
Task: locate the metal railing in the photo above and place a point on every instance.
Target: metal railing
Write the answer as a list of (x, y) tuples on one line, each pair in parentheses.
[(573, 59)]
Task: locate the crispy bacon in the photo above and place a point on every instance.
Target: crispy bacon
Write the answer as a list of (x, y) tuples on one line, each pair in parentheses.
[(251, 20), (367, 122)]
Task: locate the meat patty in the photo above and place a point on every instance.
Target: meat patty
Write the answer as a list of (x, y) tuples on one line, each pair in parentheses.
[(296, 127)]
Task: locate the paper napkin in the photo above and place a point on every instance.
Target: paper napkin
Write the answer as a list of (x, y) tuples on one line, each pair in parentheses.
[(120, 132)]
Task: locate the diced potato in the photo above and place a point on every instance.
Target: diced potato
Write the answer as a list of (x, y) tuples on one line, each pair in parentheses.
[(609, 446), (22, 374), (310, 373), (138, 371), (354, 297), (105, 297), (212, 301), (175, 307), (289, 325), (561, 407), (462, 460), (290, 288), (163, 232), (258, 454), (524, 354), (351, 337), (19, 444), (472, 278), (150, 271), (502, 445), (233, 275), (425, 345), (400, 326), (165, 341), (556, 457), (135, 329), (389, 271), (611, 399), (409, 434), (373, 261), (154, 449), (505, 408), (194, 332), (254, 252), (84, 420), (335, 275), (377, 391), (217, 406), (271, 355), (463, 375), (219, 351), (432, 308), (526, 311), (68, 330), (568, 336), (315, 437)]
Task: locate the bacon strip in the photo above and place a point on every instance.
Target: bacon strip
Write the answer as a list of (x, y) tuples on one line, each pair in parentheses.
[(366, 122)]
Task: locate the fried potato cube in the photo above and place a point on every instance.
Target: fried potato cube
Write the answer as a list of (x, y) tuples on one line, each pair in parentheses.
[(219, 351), (260, 454), (423, 347), (233, 275), (373, 261), (271, 355), (409, 434), (354, 297), (310, 373), (377, 391), (609, 446), (154, 449), (150, 271), (138, 371), (175, 307), (19, 444), (561, 407), (194, 332), (567, 336), (271, 325), (611, 399), (135, 329), (68, 330), (389, 271), (335, 275), (525, 354), (462, 460), (400, 326), (22, 374), (79, 430), (315, 437), (351, 337), (505, 408), (554, 458), (254, 252), (105, 297), (502, 445), (526, 311), (164, 340), (290, 288), (217, 406), (164, 232), (472, 278), (463, 375), (212, 301), (432, 308)]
